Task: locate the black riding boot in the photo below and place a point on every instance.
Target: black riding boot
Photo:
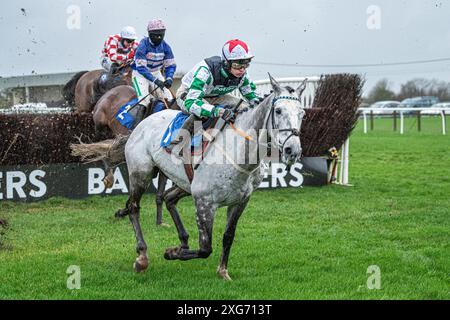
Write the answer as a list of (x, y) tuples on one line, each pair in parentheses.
[(140, 114)]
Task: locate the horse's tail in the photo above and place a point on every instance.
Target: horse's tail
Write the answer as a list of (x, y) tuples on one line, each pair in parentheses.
[(112, 150), (68, 91)]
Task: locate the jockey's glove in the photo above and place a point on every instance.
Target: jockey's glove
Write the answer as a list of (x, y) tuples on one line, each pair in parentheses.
[(225, 114), (242, 109), (159, 84), (168, 83), (254, 102)]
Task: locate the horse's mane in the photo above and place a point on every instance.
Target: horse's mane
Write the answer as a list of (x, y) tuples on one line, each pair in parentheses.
[(68, 91)]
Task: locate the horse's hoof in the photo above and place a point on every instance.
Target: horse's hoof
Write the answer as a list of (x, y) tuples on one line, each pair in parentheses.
[(171, 253), (223, 273), (174, 253), (108, 182), (141, 264)]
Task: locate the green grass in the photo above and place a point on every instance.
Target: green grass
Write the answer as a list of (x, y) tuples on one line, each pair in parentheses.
[(306, 243)]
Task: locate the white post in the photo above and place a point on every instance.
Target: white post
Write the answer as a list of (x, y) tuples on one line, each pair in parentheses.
[(341, 164), (401, 122), (346, 160), (27, 94), (443, 122), (365, 121)]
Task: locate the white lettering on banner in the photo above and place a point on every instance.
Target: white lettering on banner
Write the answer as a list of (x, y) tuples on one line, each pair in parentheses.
[(20, 185), (95, 181), (17, 180), (42, 188), (278, 174), (265, 184), (96, 185), (12, 185), (119, 182), (295, 172), (169, 183)]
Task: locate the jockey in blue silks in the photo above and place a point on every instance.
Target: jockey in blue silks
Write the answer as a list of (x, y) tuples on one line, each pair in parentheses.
[(152, 56)]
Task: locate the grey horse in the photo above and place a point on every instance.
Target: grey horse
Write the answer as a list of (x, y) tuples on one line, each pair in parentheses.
[(216, 183)]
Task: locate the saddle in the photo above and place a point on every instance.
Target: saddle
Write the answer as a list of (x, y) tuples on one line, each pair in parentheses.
[(207, 125), (197, 150)]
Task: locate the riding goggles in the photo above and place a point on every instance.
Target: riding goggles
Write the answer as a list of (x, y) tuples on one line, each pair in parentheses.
[(240, 65)]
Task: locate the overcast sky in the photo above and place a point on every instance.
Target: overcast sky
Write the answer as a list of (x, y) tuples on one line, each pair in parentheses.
[(48, 36)]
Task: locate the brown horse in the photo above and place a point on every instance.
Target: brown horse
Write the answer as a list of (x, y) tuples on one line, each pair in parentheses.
[(107, 107), (105, 121), (84, 89)]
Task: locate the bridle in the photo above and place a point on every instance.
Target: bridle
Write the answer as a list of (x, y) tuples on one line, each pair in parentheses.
[(294, 132)]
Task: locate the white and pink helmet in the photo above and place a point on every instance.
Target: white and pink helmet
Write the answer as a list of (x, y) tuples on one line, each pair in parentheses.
[(236, 50), (156, 24)]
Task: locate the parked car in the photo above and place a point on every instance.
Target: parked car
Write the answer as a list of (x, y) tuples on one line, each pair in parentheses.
[(441, 105), (418, 102), (435, 108), (384, 105)]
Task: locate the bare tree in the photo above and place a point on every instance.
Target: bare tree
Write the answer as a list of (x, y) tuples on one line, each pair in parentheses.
[(425, 87), (381, 91)]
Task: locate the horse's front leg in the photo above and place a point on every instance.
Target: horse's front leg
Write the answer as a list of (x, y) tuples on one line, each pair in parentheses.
[(233, 215), (205, 220)]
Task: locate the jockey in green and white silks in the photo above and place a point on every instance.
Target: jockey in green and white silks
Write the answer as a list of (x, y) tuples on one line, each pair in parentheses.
[(205, 90), (207, 87)]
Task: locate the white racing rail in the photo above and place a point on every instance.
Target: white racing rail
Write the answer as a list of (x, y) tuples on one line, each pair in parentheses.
[(368, 112)]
